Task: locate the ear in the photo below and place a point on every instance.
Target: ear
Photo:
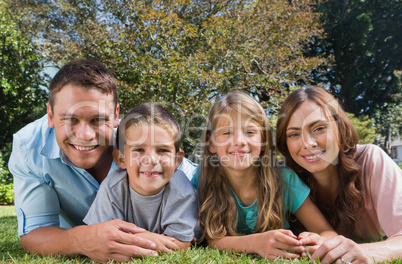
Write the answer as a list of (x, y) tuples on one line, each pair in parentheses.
[(210, 145), (119, 158), (50, 122), (116, 118), (179, 158)]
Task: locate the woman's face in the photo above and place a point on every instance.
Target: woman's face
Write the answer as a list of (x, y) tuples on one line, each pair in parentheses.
[(312, 138)]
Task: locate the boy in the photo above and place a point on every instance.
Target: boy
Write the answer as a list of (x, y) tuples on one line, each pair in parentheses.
[(149, 191)]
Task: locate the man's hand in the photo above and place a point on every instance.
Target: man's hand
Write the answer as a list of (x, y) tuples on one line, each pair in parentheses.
[(114, 239), (117, 240)]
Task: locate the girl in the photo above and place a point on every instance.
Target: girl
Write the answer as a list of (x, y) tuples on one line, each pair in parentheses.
[(357, 187), (244, 198)]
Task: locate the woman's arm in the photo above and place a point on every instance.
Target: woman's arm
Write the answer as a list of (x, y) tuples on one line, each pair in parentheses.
[(314, 221), (270, 244)]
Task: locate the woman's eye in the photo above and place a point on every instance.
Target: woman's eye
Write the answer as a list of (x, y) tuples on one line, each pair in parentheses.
[(292, 135), (319, 128)]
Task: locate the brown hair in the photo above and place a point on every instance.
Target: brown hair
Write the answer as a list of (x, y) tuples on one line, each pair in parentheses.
[(350, 197), (86, 74), (218, 211), (148, 114)]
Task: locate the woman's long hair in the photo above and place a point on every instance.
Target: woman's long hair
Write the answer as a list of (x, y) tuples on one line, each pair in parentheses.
[(350, 198), (218, 212)]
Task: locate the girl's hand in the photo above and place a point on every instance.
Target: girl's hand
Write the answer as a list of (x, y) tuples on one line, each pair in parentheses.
[(271, 244), (310, 240), (163, 243)]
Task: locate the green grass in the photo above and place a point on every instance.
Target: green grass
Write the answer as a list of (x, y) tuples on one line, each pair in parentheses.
[(12, 252)]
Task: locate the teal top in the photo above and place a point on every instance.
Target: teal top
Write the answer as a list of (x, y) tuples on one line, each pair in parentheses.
[(294, 194)]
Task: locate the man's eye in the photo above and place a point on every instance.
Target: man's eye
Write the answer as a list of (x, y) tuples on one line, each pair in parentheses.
[(70, 119)]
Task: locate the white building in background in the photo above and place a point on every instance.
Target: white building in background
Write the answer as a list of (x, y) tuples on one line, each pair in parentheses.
[(396, 150)]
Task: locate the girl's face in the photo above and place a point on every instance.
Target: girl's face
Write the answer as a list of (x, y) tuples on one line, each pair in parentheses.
[(312, 139), (237, 142)]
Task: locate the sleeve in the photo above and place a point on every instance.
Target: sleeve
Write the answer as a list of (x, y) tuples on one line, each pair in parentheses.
[(385, 188), (36, 201), (180, 218), (194, 180), (295, 191), (104, 208)]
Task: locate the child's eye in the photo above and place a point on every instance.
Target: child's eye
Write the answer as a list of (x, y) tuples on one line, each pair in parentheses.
[(164, 150), (251, 132), (138, 150), (227, 133)]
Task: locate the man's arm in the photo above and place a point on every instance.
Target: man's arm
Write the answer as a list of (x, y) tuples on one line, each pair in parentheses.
[(109, 240)]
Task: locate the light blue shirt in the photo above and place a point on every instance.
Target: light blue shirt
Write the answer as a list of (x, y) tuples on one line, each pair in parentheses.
[(49, 189), (294, 194)]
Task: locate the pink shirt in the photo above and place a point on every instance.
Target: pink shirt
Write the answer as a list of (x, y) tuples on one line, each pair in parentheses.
[(383, 194)]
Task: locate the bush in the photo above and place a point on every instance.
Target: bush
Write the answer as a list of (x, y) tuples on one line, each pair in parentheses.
[(6, 193)]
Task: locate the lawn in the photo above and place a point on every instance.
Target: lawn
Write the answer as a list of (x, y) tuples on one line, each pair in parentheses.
[(12, 252)]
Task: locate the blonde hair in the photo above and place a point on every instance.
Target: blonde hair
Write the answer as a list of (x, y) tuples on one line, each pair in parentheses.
[(218, 212)]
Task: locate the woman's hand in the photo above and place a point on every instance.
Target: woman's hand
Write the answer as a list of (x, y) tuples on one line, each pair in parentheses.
[(341, 250)]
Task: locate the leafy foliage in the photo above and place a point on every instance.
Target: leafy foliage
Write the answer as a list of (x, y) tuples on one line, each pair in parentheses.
[(21, 98), (363, 38), (364, 127), (182, 53)]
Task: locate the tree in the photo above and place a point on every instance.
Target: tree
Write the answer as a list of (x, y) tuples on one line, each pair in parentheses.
[(182, 53), (21, 97), (365, 128), (364, 39)]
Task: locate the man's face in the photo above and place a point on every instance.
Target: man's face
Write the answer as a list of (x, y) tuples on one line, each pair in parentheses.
[(83, 121)]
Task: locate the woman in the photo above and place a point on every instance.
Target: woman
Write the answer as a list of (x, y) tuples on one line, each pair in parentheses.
[(357, 187)]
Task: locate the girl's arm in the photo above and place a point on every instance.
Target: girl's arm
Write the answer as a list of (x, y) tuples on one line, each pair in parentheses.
[(314, 221), (269, 244)]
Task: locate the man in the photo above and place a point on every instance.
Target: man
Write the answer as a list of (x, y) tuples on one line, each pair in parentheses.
[(59, 161)]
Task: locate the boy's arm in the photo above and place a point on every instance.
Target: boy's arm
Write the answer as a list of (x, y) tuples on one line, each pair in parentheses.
[(165, 243)]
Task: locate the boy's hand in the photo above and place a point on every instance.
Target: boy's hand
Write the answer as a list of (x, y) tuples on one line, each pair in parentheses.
[(163, 243)]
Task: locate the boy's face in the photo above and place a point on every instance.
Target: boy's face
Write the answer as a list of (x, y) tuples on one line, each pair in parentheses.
[(83, 121), (150, 158)]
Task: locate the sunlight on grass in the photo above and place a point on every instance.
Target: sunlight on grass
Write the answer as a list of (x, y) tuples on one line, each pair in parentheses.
[(12, 252)]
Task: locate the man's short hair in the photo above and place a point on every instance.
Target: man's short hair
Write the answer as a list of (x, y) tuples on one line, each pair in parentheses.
[(86, 74), (148, 114)]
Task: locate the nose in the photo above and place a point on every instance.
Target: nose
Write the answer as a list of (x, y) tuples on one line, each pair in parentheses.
[(151, 158), (309, 140), (84, 132), (239, 139)]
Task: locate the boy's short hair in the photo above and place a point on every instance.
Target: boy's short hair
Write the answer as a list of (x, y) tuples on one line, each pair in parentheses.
[(86, 74), (148, 114)]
